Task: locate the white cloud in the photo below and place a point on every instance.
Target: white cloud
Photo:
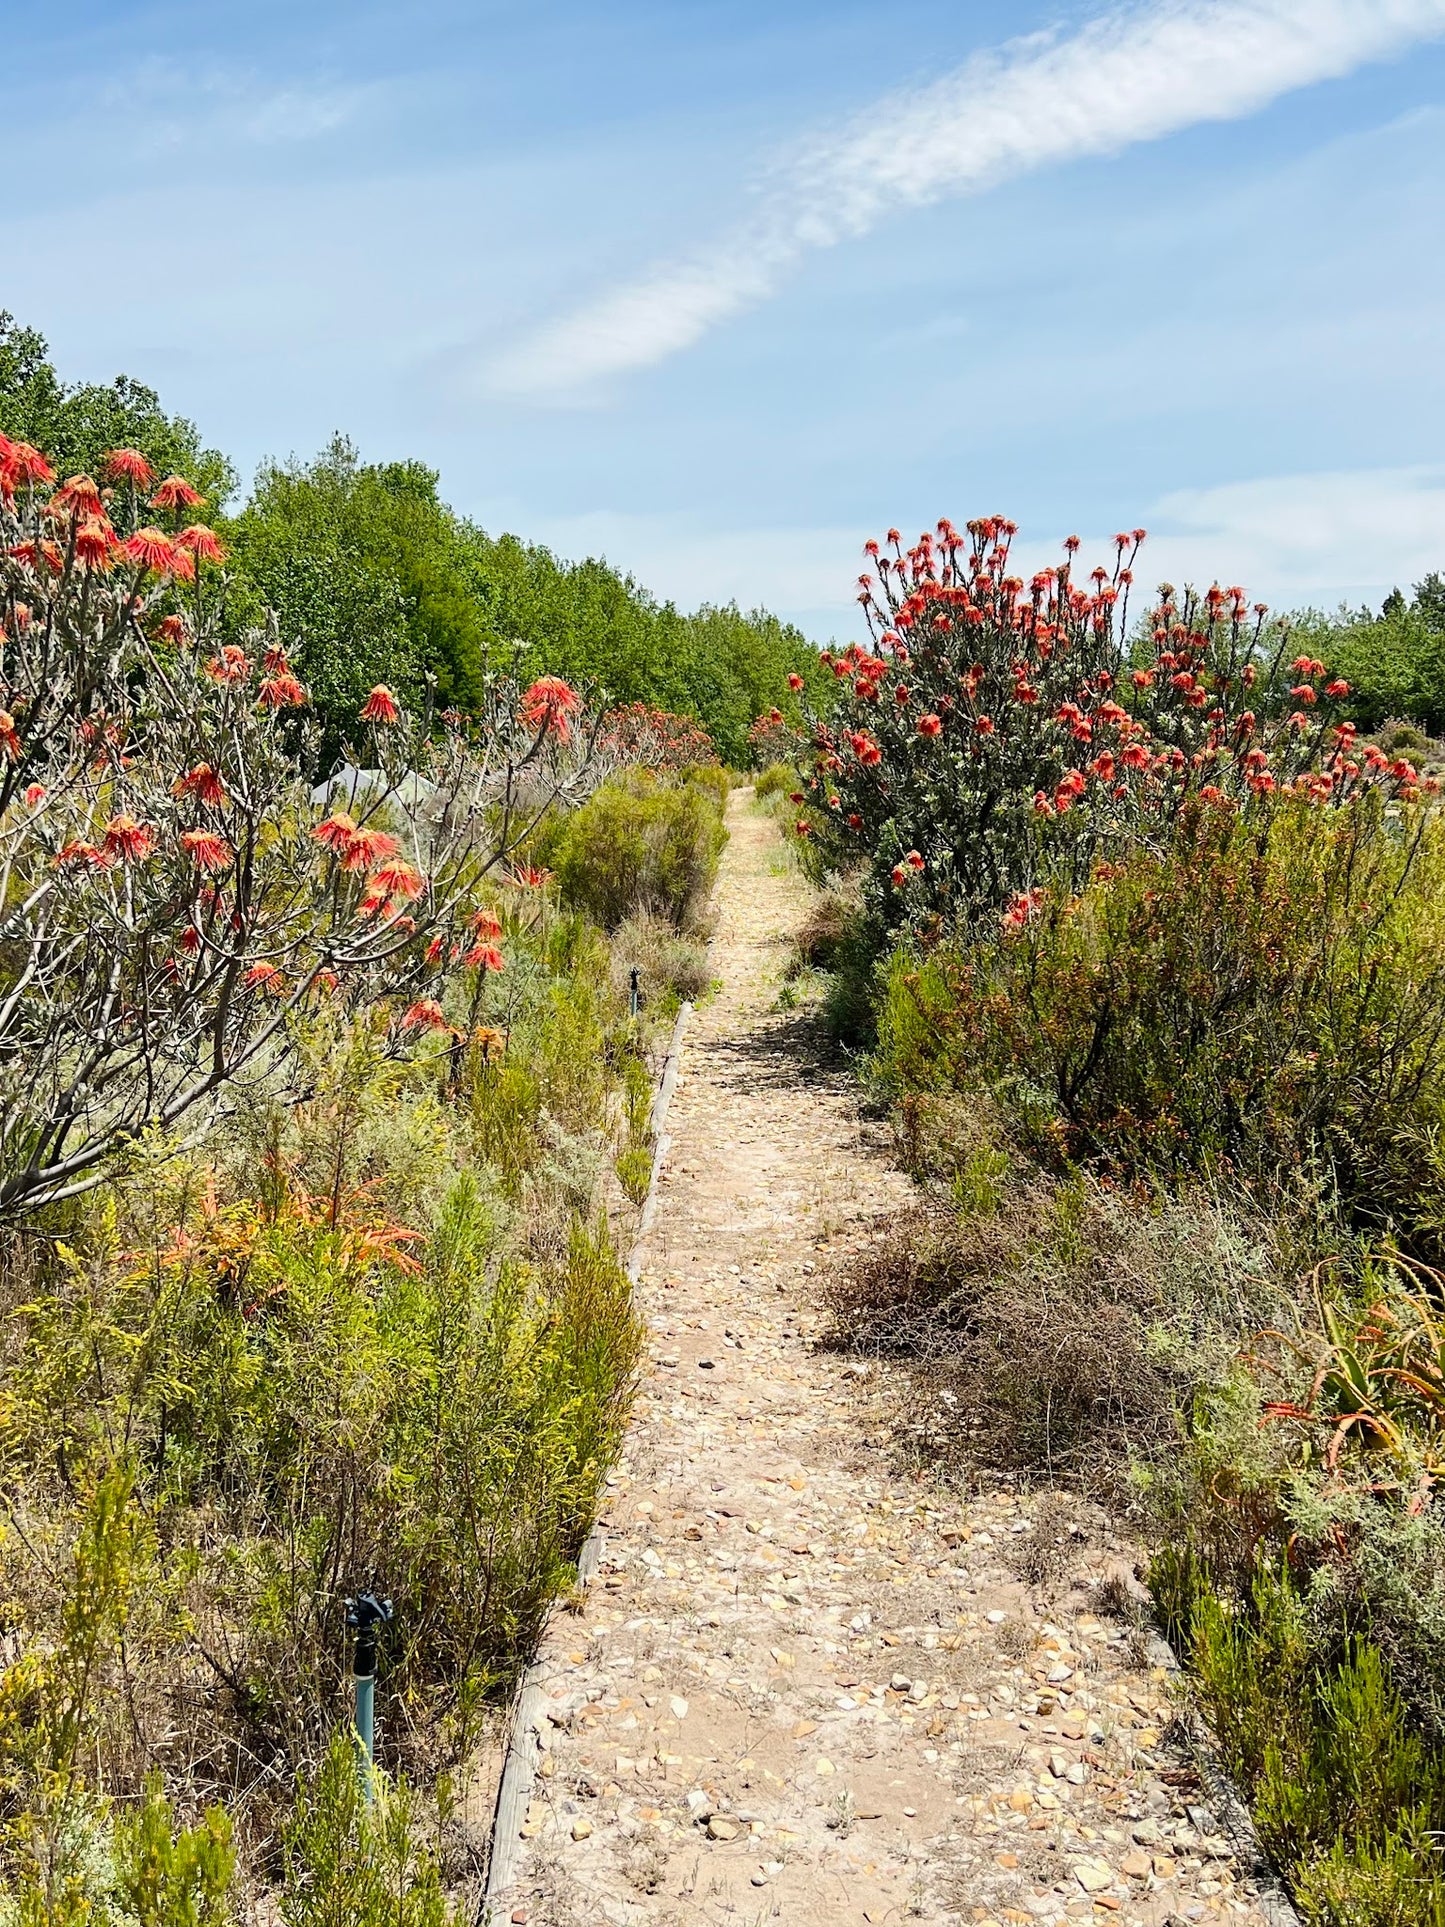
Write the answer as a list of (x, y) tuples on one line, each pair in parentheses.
[(1131, 75), (1303, 538)]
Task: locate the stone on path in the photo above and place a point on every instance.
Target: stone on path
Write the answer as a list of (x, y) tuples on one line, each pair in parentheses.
[(808, 1685)]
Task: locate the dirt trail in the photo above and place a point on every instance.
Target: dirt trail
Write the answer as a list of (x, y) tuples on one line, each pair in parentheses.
[(806, 1685)]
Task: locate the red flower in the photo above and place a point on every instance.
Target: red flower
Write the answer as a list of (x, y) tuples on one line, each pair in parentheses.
[(9, 736), (95, 543), (171, 629), (484, 956), (127, 839), (855, 822), (984, 725), (527, 877), (203, 783), (398, 880), (365, 848), (128, 465), (486, 926), (335, 834), (930, 725), (914, 860), (152, 550), (78, 852), (281, 692), (201, 542), (207, 850), (34, 795), (548, 704), (380, 706), (176, 493), (1338, 689), (78, 497), (795, 681), (425, 1014), (232, 665), (21, 462), (265, 976), (803, 827)]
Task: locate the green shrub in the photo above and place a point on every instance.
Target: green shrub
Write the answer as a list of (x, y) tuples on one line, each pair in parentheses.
[(348, 1865), (1267, 998), (1348, 1799), (776, 780), (672, 967), (641, 844)]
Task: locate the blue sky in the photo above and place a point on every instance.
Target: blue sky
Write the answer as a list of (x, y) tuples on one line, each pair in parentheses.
[(720, 289)]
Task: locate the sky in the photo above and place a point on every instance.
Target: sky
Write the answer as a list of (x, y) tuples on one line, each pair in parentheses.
[(720, 288)]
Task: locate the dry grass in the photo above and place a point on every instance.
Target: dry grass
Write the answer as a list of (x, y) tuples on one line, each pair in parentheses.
[(1053, 1335)]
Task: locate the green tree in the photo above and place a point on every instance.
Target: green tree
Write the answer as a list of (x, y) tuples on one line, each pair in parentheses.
[(77, 424), (367, 571)]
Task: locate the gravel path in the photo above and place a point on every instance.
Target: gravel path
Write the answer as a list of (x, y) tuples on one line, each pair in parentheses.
[(809, 1685)]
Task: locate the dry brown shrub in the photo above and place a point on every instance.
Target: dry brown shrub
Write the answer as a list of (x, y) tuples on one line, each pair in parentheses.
[(822, 930), (1055, 1335)]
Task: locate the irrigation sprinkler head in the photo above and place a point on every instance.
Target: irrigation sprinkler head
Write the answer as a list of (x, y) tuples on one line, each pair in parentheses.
[(365, 1614)]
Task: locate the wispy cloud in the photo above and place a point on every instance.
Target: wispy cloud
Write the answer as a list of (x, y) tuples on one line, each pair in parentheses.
[(1133, 74), (173, 104)]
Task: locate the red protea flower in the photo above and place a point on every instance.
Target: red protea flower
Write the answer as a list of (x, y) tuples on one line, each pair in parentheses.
[(231, 665), (795, 681), (930, 725), (77, 852), (281, 692), (129, 465), (527, 877), (34, 795), (398, 880), (207, 850), (24, 463), (900, 875), (486, 926), (203, 783), (175, 492), (78, 497), (172, 629), (1338, 689), (336, 833), (201, 542), (484, 956), (265, 976), (425, 1014), (153, 550), (190, 940), (9, 736), (984, 725), (95, 543), (548, 704), (127, 840), (380, 706), (366, 848), (913, 860)]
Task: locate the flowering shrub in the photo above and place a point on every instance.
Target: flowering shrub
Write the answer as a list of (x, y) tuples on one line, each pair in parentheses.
[(173, 900), (997, 730), (654, 738)]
